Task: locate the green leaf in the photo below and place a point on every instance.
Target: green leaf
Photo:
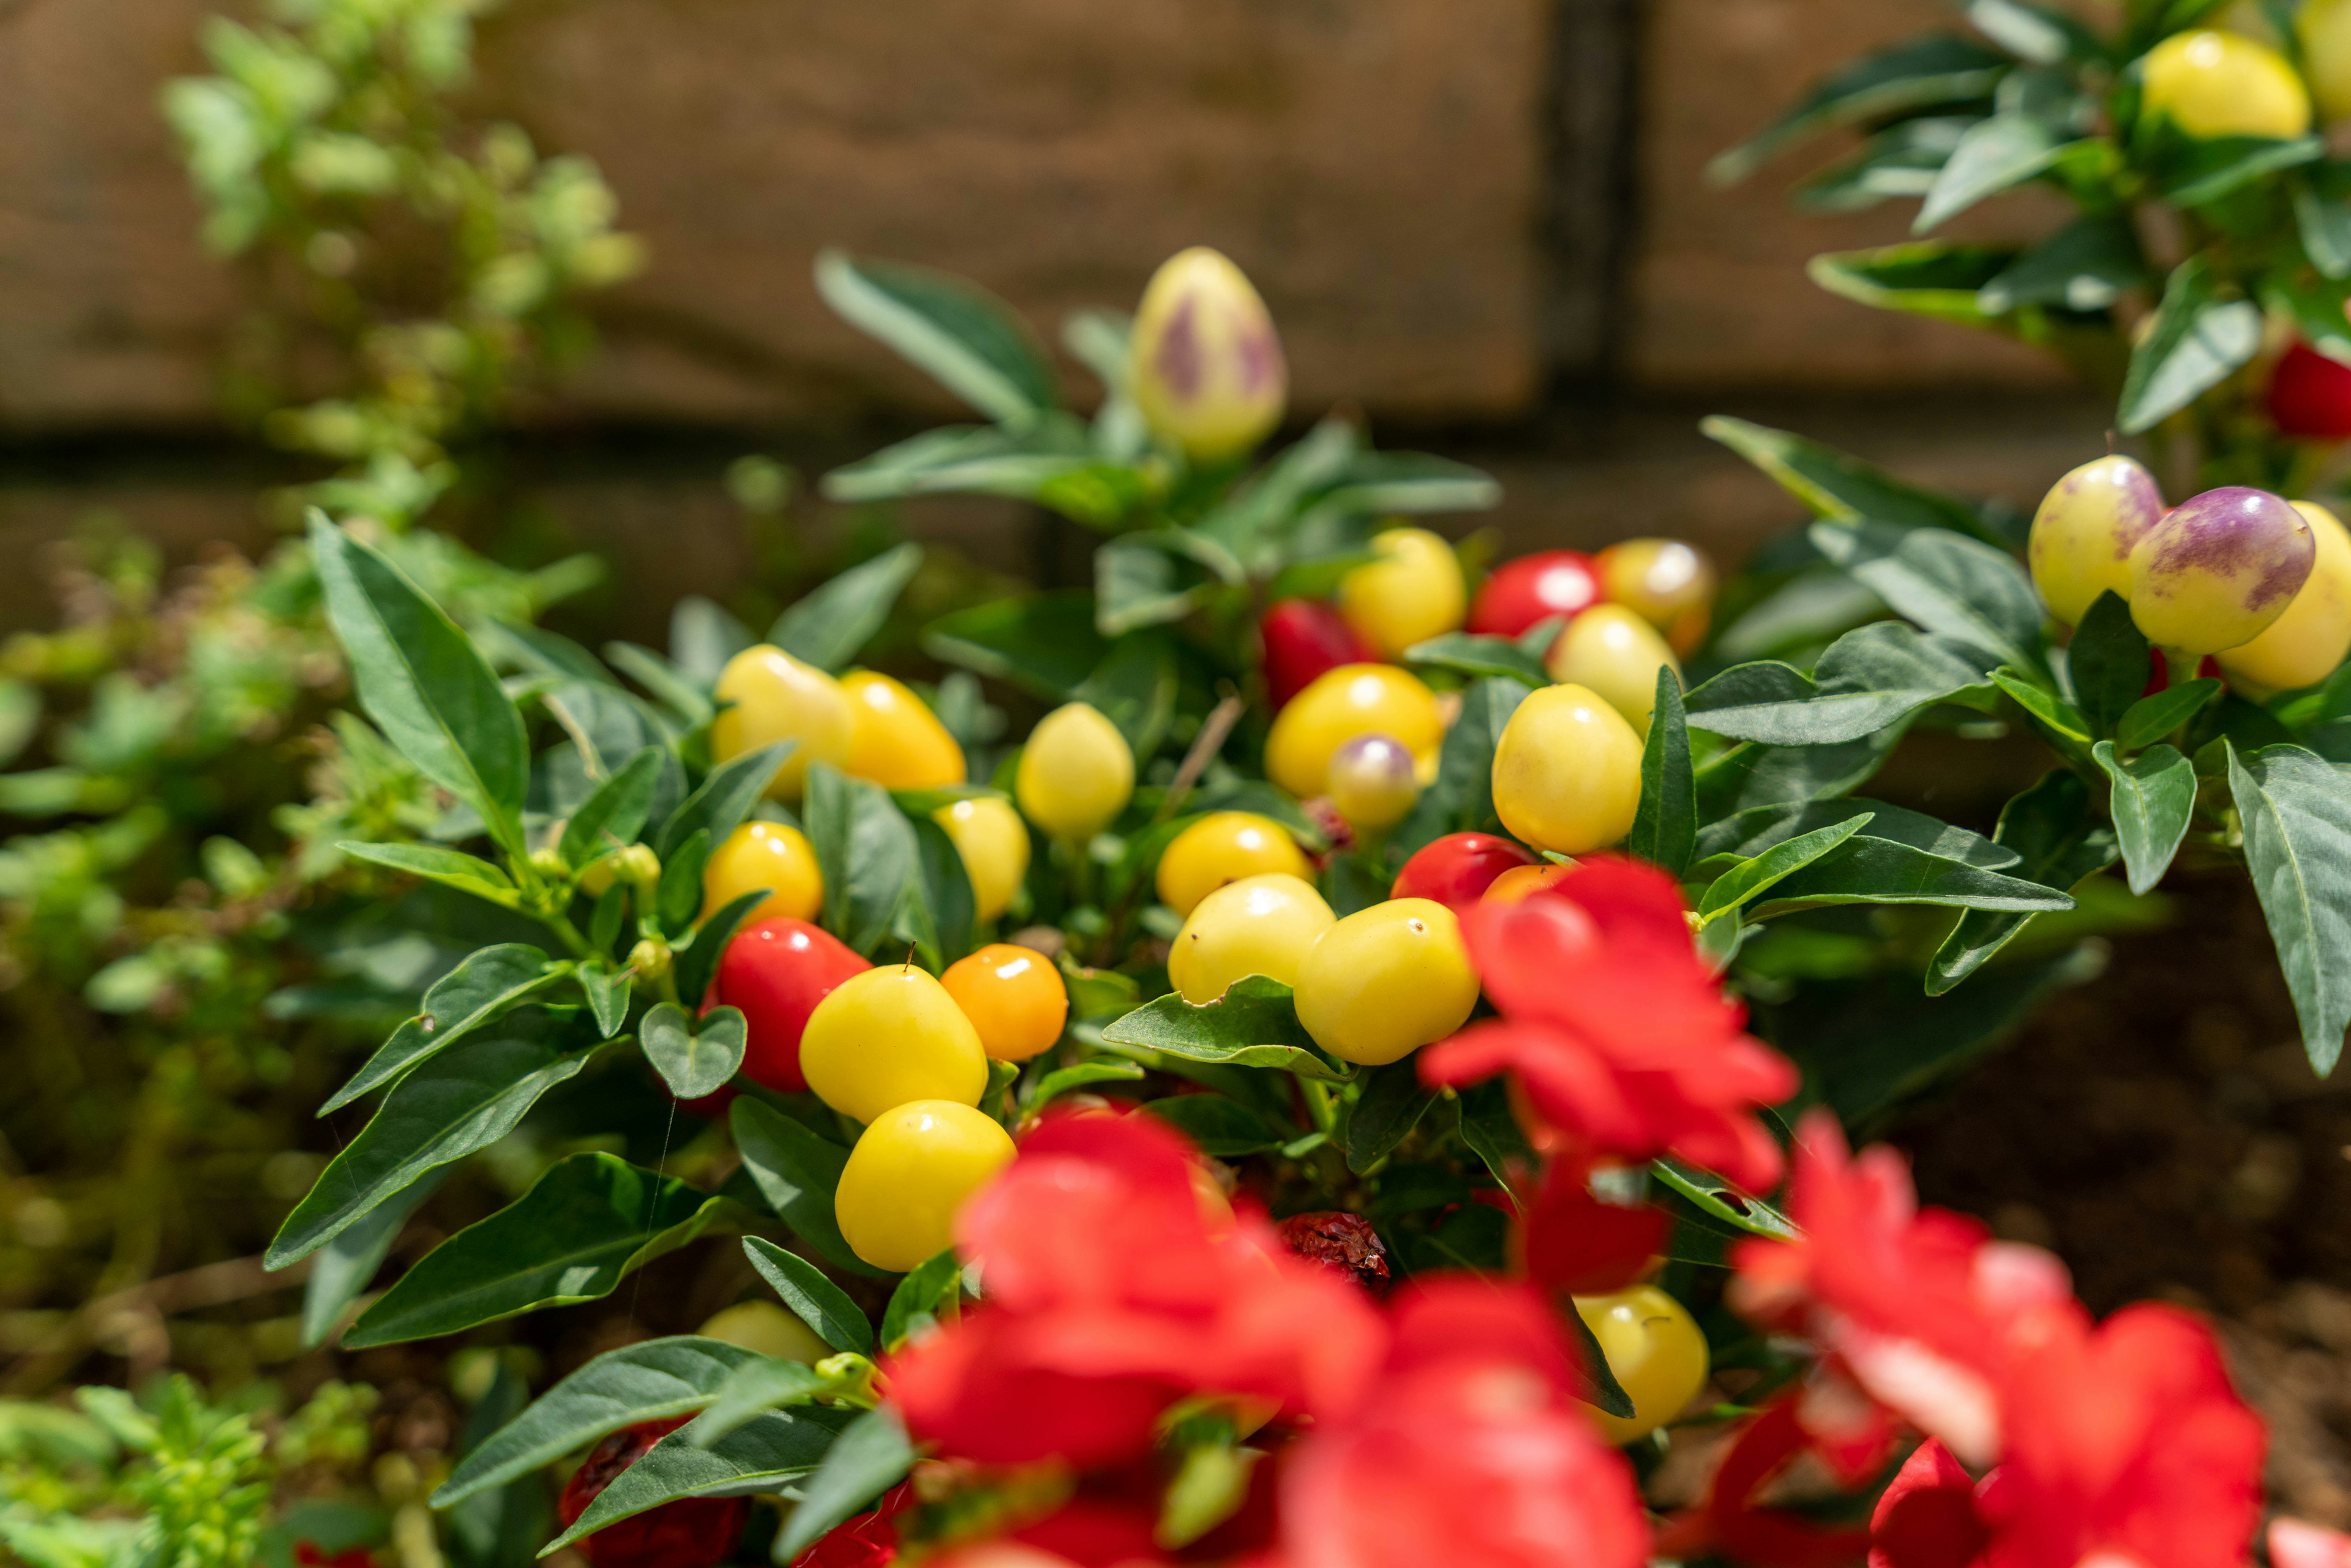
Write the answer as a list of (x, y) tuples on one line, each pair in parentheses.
[(1871, 677), (720, 803), (1064, 1079), (617, 809), (2295, 809), (1866, 870), (815, 1300), (1473, 655), (796, 1171), (931, 1291), (2149, 719), (1750, 775), (344, 1269), (1135, 687), (1951, 585), (2051, 829), (2154, 798), (943, 885), (1253, 1024), (690, 703), (2208, 169), (2086, 265), (867, 851), (2109, 662), (581, 1227), (1461, 799), (2035, 33), (2316, 311), (2197, 341), (757, 1387), (1838, 487), (423, 682), (650, 1381), (1390, 1106), (829, 625), (1923, 73), (1935, 278), (1665, 825), (871, 1455), (490, 982), (1997, 155), (1900, 161), (450, 868), (694, 1057), (1722, 1202), (960, 335), (696, 962), (757, 1457), (1751, 878), (2323, 222), (1752, 832), (607, 991), (677, 897), (1139, 582), (1491, 1130), (1045, 643), (461, 1101), (1224, 1128), (2061, 720)]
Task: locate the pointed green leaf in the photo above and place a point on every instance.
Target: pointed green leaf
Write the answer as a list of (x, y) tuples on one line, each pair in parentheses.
[(341, 1270), (1461, 800), (965, 337), (1253, 1024), (1045, 643), (2155, 797), (450, 868), (582, 1227), (1391, 1105), (1224, 1129), (1759, 828), (677, 897), (829, 625), (2064, 724), (2149, 719), (2109, 662), (2060, 843), (491, 982), (1469, 654), (650, 1381), (1752, 878), (867, 851), (1868, 679), (1839, 487), (1995, 155), (423, 682), (1751, 775), (2197, 341), (815, 1300), (724, 799), (758, 1457), (2295, 809), (1864, 870), (2323, 222), (871, 1455), (696, 961), (1665, 825), (617, 809), (1491, 1130), (797, 1172), (2086, 265), (1949, 584), (607, 991), (1923, 73), (931, 1293)]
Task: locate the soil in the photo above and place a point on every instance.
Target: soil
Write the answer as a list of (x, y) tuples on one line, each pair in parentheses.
[(2161, 1128)]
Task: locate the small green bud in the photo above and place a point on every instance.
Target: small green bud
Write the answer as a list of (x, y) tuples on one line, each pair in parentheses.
[(650, 960)]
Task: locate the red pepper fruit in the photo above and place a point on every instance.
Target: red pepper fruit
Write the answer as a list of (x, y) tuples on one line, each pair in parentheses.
[(1303, 639), (1532, 589), (692, 1532), (2310, 395), (776, 972), (1456, 869)]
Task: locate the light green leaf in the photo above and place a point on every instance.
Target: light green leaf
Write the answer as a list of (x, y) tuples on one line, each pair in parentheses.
[(1869, 678), (2155, 797), (1949, 584), (2064, 723), (1474, 655), (1752, 878), (2197, 341), (344, 1269), (871, 1455), (1995, 155), (694, 1057), (757, 1457), (450, 868), (2295, 809), (1064, 1079), (1839, 487), (1253, 1024), (929, 1294), (965, 337), (2149, 719), (830, 624)]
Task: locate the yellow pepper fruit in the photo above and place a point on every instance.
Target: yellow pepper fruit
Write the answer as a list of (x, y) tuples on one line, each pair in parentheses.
[(909, 1173), (895, 739)]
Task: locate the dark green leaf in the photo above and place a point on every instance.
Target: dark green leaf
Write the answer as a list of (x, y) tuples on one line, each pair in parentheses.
[(796, 1171), (607, 991), (2316, 309), (2149, 719), (724, 799), (931, 1293), (871, 1455), (1864, 870), (2154, 798), (867, 851), (1224, 1128), (1751, 878), (698, 961), (604, 925), (1995, 155), (1720, 1201), (677, 897), (581, 1227), (1949, 584), (423, 682), (1044, 642), (2108, 661), (830, 624), (2060, 843), (461, 1101), (1253, 1024), (450, 868), (2208, 169), (1923, 73), (489, 983), (1870, 678), (1750, 775), (2295, 809), (757, 1457), (816, 1300), (1838, 487), (2064, 723), (1491, 1130), (2086, 265), (1390, 1106), (2198, 341), (1935, 278), (1598, 1379), (344, 1269), (1664, 826), (1461, 800), (1138, 582), (650, 1381), (1135, 688), (755, 1388), (693, 1056), (618, 808), (1752, 832), (1473, 655), (960, 335)]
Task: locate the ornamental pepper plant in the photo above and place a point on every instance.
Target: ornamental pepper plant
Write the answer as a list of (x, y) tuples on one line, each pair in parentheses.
[(1243, 1068)]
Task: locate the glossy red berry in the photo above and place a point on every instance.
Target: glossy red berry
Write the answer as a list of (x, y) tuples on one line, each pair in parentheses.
[(2310, 395), (692, 1532), (1456, 869), (1521, 593), (1303, 639), (776, 972)]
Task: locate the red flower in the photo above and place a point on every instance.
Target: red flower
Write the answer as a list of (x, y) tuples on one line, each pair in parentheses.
[(1729, 1523), (1619, 1034), (1473, 1454), (1928, 1518), (1578, 1244), (1920, 1308), (1114, 1288)]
